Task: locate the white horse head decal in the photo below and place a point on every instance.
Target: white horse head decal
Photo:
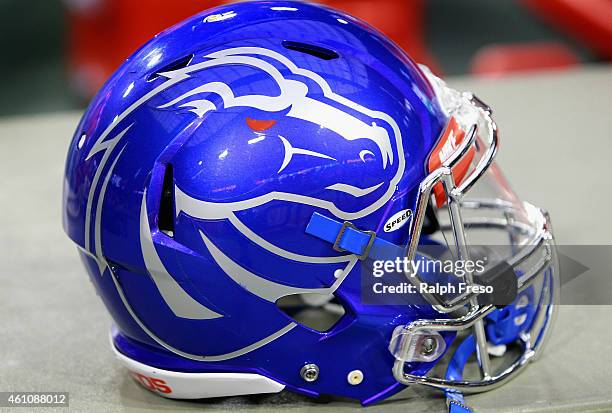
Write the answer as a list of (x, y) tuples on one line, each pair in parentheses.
[(349, 120)]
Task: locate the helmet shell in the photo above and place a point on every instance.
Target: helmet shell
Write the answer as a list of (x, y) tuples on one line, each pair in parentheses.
[(195, 170)]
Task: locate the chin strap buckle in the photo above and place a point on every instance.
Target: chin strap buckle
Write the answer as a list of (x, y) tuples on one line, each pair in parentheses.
[(368, 246)]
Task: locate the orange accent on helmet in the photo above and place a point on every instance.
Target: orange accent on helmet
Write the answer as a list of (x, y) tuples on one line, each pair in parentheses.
[(260, 125), (450, 141)]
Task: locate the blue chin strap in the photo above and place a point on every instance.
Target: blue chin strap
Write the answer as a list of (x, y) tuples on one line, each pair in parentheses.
[(345, 237), (503, 327), (454, 399)]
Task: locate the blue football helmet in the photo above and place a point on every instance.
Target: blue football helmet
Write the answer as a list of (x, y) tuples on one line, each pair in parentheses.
[(239, 176)]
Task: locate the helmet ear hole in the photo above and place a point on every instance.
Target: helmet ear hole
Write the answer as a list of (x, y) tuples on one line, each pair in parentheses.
[(165, 219), (319, 312)]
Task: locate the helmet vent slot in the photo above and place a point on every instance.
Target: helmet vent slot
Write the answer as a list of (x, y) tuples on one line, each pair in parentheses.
[(311, 49), (315, 311), (176, 65), (165, 219)]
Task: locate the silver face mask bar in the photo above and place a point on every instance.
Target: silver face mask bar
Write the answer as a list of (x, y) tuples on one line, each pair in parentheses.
[(534, 260)]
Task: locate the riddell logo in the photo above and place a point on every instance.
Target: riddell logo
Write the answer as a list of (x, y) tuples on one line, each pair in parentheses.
[(151, 383), (398, 220)]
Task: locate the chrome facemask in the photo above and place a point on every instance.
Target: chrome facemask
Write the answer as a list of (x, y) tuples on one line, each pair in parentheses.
[(480, 202)]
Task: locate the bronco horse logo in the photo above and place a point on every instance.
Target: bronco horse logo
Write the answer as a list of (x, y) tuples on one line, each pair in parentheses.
[(367, 135), (347, 119)]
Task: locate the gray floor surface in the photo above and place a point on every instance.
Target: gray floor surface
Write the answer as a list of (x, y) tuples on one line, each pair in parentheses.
[(556, 150)]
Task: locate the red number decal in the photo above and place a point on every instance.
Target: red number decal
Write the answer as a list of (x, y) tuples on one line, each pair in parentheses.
[(151, 383)]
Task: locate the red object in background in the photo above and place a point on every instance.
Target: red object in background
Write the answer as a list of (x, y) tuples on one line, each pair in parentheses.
[(104, 33), (499, 60), (589, 21), (401, 20)]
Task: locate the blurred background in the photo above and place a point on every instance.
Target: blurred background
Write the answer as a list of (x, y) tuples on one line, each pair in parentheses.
[(56, 54)]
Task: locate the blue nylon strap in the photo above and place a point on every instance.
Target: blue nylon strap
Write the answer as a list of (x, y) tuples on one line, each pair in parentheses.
[(352, 240), (454, 372), (455, 407)]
